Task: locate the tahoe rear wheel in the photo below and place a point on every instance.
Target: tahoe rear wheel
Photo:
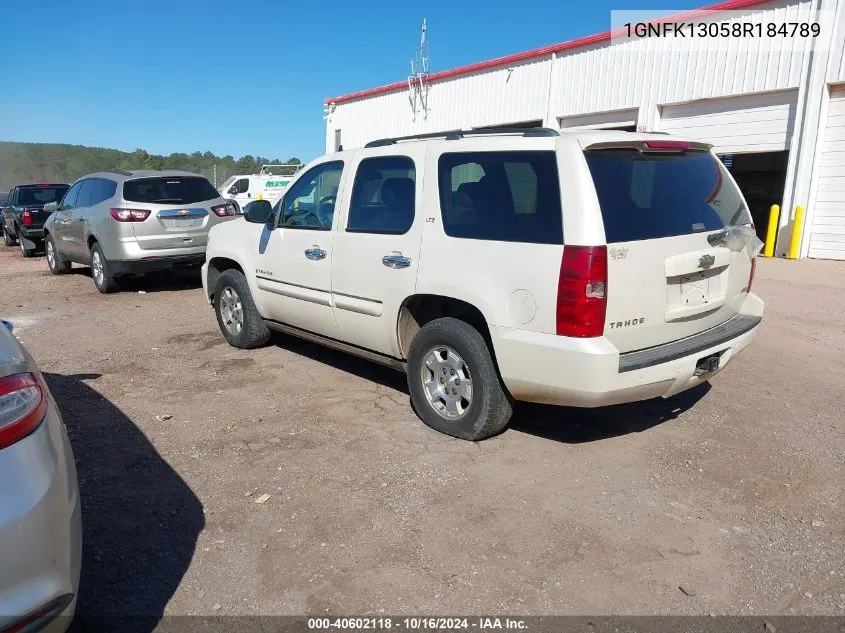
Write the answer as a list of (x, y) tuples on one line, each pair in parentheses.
[(237, 315), (453, 381), (104, 280), (56, 262)]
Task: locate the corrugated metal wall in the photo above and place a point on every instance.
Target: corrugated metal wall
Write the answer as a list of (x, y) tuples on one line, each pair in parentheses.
[(631, 73), (502, 95), (608, 76)]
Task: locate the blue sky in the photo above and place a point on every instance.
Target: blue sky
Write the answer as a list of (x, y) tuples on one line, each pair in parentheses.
[(247, 77)]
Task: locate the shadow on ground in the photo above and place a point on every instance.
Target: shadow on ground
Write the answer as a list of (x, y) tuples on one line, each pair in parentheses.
[(569, 425), (171, 280), (576, 426), (140, 520)]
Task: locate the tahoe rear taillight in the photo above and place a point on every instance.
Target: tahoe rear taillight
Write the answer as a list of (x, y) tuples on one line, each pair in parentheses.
[(26, 217), (23, 404), (129, 215), (582, 291), (223, 210)]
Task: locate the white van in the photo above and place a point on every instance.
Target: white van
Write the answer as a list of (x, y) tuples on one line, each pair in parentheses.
[(265, 185)]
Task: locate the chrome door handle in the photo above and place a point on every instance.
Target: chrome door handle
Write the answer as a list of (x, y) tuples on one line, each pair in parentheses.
[(396, 261), (315, 253)]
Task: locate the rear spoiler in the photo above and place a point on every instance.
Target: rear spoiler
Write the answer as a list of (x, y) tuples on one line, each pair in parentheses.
[(652, 145)]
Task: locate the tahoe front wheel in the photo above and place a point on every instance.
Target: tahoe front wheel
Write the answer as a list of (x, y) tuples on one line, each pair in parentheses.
[(453, 381), (237, 315)]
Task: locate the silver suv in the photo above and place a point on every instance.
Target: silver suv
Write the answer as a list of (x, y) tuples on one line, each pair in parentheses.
[(131, 222)]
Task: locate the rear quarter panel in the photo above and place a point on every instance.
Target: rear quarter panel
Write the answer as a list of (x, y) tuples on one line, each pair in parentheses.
[(514, 285)]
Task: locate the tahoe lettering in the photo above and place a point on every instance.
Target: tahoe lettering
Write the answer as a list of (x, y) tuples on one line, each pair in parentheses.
[(615, 325)]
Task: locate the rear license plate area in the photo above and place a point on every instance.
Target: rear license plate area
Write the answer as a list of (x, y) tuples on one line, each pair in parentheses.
[(695, 289), (182, 223)]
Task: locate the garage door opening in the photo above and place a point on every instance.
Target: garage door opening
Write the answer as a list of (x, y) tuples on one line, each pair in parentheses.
[(761, 178)]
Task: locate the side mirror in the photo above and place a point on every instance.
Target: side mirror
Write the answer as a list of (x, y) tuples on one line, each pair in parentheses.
[(233, 190), (50, 207), (8, 325), (258, 211)]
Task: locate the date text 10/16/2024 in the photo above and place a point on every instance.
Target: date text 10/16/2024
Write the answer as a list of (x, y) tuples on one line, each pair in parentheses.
[(417, 624)]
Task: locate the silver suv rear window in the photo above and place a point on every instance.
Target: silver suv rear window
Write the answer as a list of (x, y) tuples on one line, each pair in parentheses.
[(652, 195), (169, 190)]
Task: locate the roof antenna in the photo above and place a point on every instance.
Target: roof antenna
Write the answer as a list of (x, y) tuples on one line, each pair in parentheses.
[(418, 79)]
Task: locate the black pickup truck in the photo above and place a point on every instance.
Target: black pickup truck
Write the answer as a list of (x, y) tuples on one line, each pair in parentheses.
[(23, 215)]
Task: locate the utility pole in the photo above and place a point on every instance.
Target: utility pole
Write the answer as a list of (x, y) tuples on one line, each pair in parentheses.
[(215, 175)]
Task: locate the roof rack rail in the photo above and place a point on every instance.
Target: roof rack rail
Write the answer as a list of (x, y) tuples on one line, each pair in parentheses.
[(453, 135), (122, 172)]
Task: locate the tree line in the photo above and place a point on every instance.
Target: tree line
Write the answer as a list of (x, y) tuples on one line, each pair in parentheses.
[(53, 162)]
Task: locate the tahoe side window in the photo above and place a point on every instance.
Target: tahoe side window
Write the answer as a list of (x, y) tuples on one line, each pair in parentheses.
[(501, 196), (309, 203), (648, 196), (383, 196)]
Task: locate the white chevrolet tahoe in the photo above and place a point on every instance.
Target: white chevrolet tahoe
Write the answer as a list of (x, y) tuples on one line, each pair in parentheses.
[(582, 268)]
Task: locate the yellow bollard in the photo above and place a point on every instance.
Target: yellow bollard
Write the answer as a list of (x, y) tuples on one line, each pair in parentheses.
[(797, 228), (772, 231)]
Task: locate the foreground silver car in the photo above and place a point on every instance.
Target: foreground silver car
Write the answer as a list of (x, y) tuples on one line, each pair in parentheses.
[(40, 521)]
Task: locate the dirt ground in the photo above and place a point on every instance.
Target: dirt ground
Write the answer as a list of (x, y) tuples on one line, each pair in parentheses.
[(733, 492)]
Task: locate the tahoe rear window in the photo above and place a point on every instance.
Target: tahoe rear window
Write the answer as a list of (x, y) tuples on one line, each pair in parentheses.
[(501, 196), (40, 195), (648, 195), (169, 190)]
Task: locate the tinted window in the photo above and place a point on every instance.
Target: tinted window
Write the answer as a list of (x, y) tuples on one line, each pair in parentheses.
[(503, 196), (103, 190), (85, 193), (241, 186), (40, 195), (69, 201), (169, 190), (309, 203), (383, 196), (647, 196)]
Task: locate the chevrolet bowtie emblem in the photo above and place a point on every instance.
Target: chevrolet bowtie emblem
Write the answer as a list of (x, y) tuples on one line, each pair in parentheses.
[(183, 212), (706, 261)]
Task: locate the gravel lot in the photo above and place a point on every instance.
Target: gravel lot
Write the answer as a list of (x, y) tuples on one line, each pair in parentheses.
[(733, 492)]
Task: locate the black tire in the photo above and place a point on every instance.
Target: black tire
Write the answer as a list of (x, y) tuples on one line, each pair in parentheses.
[(108, 283), (58, 264), (8, 240), (27, 252), (253, 331), (490, 408)]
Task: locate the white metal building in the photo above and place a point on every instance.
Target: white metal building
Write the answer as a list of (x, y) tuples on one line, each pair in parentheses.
[(776, 113)]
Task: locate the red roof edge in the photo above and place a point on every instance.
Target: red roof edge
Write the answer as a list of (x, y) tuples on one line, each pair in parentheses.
[(540, 52)]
